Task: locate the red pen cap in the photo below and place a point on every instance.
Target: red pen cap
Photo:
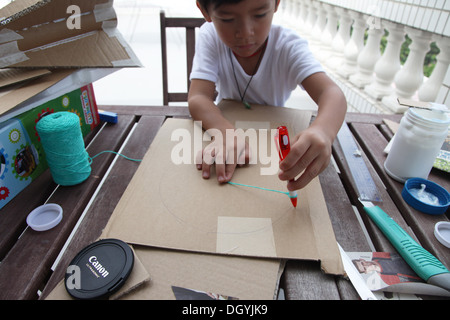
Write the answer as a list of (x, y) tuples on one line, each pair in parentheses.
[(283, 142)]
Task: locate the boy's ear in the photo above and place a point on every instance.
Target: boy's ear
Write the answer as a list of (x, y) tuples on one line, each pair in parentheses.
[(276, 5), (204, 12)]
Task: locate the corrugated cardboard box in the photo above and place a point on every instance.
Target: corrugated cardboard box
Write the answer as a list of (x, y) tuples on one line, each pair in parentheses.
[(62, 33)]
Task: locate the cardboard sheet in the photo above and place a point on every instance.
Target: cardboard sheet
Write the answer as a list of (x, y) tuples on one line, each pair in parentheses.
[(169, 205), (156, 272), (62, 33), (24, 96), (237, 277), (9, 77), (14, 97)]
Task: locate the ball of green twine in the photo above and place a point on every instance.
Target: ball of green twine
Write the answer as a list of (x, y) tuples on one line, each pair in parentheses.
[(64, 148)]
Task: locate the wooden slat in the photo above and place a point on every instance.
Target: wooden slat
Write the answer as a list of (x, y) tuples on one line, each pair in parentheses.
[(179, 112), (379, 241), (348, 233), (184, 22), (111, 191), (13, 215), (302, 282), (26, 267), (421, 224)]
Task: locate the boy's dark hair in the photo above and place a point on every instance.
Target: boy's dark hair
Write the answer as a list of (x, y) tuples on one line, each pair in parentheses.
[(216, 3)]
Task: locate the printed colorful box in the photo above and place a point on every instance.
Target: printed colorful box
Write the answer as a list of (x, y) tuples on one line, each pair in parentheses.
[(22, 157)]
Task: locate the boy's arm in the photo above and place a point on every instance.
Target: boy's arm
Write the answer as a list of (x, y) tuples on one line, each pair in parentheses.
[(202, 107), (311, 149)]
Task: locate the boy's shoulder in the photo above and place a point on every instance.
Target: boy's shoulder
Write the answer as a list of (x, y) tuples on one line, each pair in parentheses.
[(283, 33)]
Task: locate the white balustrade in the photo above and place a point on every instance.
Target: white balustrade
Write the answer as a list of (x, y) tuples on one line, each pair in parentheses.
[(389, 63), (328, 34), (410, 77), (354, 45), (368, 58), (373, 81), (340, 40), (319, 25), (430, 89)]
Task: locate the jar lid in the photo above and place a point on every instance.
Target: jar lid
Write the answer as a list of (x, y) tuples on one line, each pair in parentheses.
[(442, 233), (45, 217), (99, 270), (426, 196), (438, 117)]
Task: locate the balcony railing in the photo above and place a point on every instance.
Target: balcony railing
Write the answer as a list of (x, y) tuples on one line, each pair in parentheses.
[(346, 36)]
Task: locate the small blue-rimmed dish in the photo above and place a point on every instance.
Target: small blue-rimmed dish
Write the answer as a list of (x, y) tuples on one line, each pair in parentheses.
[(426, 196)]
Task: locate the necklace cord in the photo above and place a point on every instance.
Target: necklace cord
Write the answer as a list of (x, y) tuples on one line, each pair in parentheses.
[(242, 96)]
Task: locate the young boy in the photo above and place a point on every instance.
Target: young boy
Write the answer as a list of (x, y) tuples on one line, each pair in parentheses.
[(246, 58)]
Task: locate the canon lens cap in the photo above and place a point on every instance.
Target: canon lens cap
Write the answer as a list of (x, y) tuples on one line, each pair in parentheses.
[(99, 270)]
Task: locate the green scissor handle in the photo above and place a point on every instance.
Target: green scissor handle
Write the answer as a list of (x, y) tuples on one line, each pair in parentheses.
[(421, 261)]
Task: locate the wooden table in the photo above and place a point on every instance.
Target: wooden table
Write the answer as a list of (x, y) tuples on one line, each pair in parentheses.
[(27, 257)]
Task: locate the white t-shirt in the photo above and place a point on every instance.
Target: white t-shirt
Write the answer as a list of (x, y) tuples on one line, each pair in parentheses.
[(287, 61)]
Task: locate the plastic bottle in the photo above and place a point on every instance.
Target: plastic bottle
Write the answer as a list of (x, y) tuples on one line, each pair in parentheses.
[(416, 144)]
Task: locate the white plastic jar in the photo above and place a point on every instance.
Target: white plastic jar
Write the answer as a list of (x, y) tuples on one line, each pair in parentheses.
[(416, 144)]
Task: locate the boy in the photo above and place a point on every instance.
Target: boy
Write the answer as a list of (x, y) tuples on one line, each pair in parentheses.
[(250, 60)]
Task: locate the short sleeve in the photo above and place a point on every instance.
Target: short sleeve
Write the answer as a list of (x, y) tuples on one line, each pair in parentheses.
[(205, 65)]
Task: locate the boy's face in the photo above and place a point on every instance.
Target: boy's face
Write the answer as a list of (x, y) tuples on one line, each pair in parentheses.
[(243, 26)]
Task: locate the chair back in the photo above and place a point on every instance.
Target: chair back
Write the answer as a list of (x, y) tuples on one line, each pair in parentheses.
[(190, 24)]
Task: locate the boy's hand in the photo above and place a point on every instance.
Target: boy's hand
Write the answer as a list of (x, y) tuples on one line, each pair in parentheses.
[(225, 157), (310, 154)]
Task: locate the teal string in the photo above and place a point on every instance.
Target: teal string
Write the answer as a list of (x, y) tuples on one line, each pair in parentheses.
[(255, 187), (63, 144), (64, 149), (116, 153)]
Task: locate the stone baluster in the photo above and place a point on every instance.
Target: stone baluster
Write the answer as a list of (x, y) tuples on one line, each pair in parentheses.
[(389, 63), (410, 77), (341, 39), (319, 25), (429, 90), (302, 20), (368, 58), (310, 21), (288, 13), (354, 46), (328, 33)]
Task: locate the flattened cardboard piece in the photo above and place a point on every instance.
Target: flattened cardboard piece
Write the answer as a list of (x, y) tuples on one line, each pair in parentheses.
[(10, 77), (33, 93), (169, 205), (62, 33), (232, 276), (139, 276), (12, 98)]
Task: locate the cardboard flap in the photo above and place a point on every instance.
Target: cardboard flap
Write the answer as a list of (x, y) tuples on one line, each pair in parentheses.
[(12, 98), (50, 33), (13, 76), (168, 204)]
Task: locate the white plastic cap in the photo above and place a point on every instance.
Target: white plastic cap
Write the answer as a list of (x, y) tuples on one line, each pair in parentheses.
[(442, 233), (45, 217)]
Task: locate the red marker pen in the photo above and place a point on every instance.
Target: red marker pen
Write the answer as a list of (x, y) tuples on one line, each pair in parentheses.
[(284, 146)]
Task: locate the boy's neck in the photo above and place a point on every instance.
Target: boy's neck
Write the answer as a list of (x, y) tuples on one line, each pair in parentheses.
[(251, 63)]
